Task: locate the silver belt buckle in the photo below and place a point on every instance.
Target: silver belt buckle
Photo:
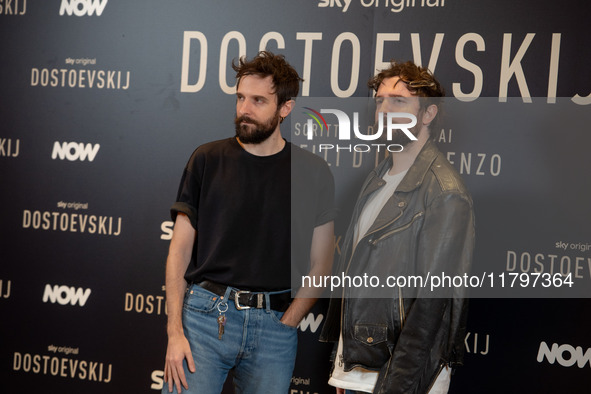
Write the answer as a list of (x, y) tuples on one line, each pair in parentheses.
[(237, 301)]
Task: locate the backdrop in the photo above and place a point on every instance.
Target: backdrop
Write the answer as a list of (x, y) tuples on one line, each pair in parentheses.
[(102, 102)]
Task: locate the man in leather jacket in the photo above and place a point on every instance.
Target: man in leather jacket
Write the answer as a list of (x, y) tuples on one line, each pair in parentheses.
[(413, 217)]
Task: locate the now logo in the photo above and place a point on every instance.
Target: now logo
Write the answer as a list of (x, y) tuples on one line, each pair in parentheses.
[(73, 151), (65, 295), (82, 7), (558, 352)]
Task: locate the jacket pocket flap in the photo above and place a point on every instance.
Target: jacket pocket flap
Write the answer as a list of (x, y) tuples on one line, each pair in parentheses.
[(371, 334)]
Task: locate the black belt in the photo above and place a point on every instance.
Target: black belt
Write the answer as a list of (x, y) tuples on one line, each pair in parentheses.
[(244, 299)]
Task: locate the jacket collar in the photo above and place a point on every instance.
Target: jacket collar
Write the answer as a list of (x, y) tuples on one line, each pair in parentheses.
[(394, 207), (417, 171)]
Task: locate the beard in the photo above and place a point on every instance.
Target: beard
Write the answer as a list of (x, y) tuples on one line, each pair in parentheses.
[(249, 131)]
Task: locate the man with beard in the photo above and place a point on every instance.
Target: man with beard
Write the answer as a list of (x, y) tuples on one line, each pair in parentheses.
[(228, 272), (413, 217)]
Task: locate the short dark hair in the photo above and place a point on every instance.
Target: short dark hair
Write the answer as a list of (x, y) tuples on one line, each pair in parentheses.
[(418, 80), (286, 80)]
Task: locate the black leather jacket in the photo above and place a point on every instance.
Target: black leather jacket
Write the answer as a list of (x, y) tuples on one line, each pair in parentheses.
[(427, 226)]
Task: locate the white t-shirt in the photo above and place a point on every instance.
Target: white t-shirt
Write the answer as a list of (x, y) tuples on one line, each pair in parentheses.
[(358, 378), (374, 205)]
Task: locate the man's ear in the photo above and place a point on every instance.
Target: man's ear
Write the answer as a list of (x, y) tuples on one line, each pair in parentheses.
[(430, 114), (286, 108)]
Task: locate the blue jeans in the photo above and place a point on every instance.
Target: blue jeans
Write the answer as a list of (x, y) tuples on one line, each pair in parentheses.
[(255, 343)]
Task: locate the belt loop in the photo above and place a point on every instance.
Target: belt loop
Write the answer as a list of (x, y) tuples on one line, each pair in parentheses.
[(226, 296), (267, 302)]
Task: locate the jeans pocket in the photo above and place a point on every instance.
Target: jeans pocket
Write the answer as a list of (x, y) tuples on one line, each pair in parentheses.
[(276, 317), (198, 299)]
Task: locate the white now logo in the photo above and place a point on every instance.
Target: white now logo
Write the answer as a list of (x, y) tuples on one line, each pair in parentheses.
[(74, 151), (557, 353), (64, 295), (83, 7)]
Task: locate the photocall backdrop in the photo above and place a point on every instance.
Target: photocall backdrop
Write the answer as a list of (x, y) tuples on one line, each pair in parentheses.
[(102, 102)]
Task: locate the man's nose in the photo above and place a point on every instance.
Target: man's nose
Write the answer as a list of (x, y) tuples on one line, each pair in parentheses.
[(244, 108), (381, 109)]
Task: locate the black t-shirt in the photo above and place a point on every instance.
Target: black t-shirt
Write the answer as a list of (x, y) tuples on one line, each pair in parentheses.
[(240, 205)]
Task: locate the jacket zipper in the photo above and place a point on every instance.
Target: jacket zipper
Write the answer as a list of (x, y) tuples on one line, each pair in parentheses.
[(404, 227), (349, 264), (436, 376), (419, 214), (401, 309), (384, 226), (374, 242), (351, 259), (343, 299)]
